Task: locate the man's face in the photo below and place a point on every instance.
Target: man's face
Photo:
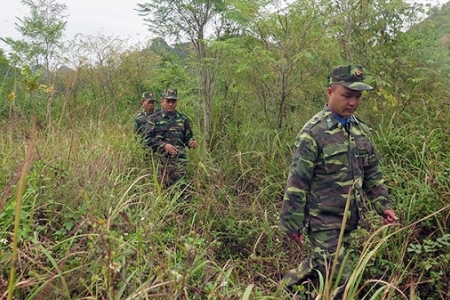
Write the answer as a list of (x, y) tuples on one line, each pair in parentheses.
[(343, 101), (149, 105), (169, 105)]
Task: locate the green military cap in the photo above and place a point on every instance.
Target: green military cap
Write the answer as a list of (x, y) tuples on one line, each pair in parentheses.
[(170, 94), (148, 96), (350, 76)]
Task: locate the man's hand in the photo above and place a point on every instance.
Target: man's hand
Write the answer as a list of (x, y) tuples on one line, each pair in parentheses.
[(296, 237), (193, 144), (171, 149), (389, 217)]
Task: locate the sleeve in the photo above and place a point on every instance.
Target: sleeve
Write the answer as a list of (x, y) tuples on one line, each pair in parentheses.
[(152, 138), (292, 219), (189, 135), (373, 185), (137, 125)]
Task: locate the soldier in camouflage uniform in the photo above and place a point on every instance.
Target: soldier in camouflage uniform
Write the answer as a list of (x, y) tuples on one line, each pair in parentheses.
[(141, 119), (334, 162), (168, 134)]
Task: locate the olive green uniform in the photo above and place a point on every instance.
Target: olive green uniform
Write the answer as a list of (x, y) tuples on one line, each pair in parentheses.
[(140, 122), (174, 129), (331, 163)]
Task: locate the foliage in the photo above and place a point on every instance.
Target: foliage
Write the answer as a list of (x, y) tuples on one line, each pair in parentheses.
[(41, 46), (276, 63), (96, 224), (42, 33), (365, 30), (7, 75), (4, 65)]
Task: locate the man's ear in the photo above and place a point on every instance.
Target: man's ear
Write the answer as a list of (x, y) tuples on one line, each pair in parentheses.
[(329, 91)]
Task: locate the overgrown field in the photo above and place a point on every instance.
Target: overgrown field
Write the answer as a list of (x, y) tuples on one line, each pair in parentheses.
[(95, 224), (82, 215)]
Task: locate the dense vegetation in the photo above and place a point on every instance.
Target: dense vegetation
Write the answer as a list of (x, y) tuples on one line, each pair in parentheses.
[(83, 216)]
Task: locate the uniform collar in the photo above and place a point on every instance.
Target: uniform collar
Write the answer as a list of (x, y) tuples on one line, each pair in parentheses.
[(168, 115), (341, 120)]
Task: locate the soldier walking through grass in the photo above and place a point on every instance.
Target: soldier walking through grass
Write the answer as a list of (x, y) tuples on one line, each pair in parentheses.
[(147, 108), (334, 166), (169, 133)]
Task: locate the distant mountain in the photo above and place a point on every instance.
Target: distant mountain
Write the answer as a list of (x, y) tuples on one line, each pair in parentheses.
[(160, 47)]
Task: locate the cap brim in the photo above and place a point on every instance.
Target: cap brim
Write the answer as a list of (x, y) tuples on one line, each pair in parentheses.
[(357, 86)]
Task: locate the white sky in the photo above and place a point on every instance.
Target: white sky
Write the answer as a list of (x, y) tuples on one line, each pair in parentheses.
[(89, 17)]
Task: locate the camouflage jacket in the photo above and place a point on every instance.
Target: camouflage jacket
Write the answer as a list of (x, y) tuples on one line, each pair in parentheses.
[(330, 165), (162, 129), (140, 122)]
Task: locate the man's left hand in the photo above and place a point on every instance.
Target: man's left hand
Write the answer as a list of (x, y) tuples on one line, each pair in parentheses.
[(296, 237), (193, 144), (389, 217)]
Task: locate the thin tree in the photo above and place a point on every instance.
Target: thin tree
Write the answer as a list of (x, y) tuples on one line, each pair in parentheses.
[(42, 33), (188, 18)]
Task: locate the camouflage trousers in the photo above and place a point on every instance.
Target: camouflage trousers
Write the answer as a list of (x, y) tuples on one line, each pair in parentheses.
[(171, 170), (323, 251)]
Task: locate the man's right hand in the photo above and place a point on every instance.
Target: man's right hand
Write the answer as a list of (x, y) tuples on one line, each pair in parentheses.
[(169, 148), (296, 237)]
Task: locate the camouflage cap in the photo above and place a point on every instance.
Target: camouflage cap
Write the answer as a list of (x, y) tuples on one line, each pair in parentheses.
[(148, 96), (170, 94), (350, 76)]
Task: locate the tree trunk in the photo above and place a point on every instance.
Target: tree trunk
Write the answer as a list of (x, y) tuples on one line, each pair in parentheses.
[(206, 91)]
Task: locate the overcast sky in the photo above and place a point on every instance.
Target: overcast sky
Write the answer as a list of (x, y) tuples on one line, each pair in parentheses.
[(89, 17)]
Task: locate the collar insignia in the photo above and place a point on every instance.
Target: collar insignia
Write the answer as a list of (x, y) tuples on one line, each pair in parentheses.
[(329, 122)]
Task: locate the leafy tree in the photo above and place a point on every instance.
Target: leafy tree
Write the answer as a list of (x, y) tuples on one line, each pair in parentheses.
[(431, 37), (192, 19), (6, 74), (113, 74), (42, 33), (4, 64), (361, 26), (141, 70), (275, 62), (99, 59)]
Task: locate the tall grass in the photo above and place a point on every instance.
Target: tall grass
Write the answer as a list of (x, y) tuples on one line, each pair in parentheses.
[(17, 214), (95, 223)]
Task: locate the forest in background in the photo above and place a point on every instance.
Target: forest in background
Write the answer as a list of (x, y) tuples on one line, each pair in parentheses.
[(83, 216)]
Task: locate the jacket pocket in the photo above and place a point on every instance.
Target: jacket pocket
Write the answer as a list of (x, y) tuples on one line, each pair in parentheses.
[(363, 151), (335, 158), (332, 204)]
